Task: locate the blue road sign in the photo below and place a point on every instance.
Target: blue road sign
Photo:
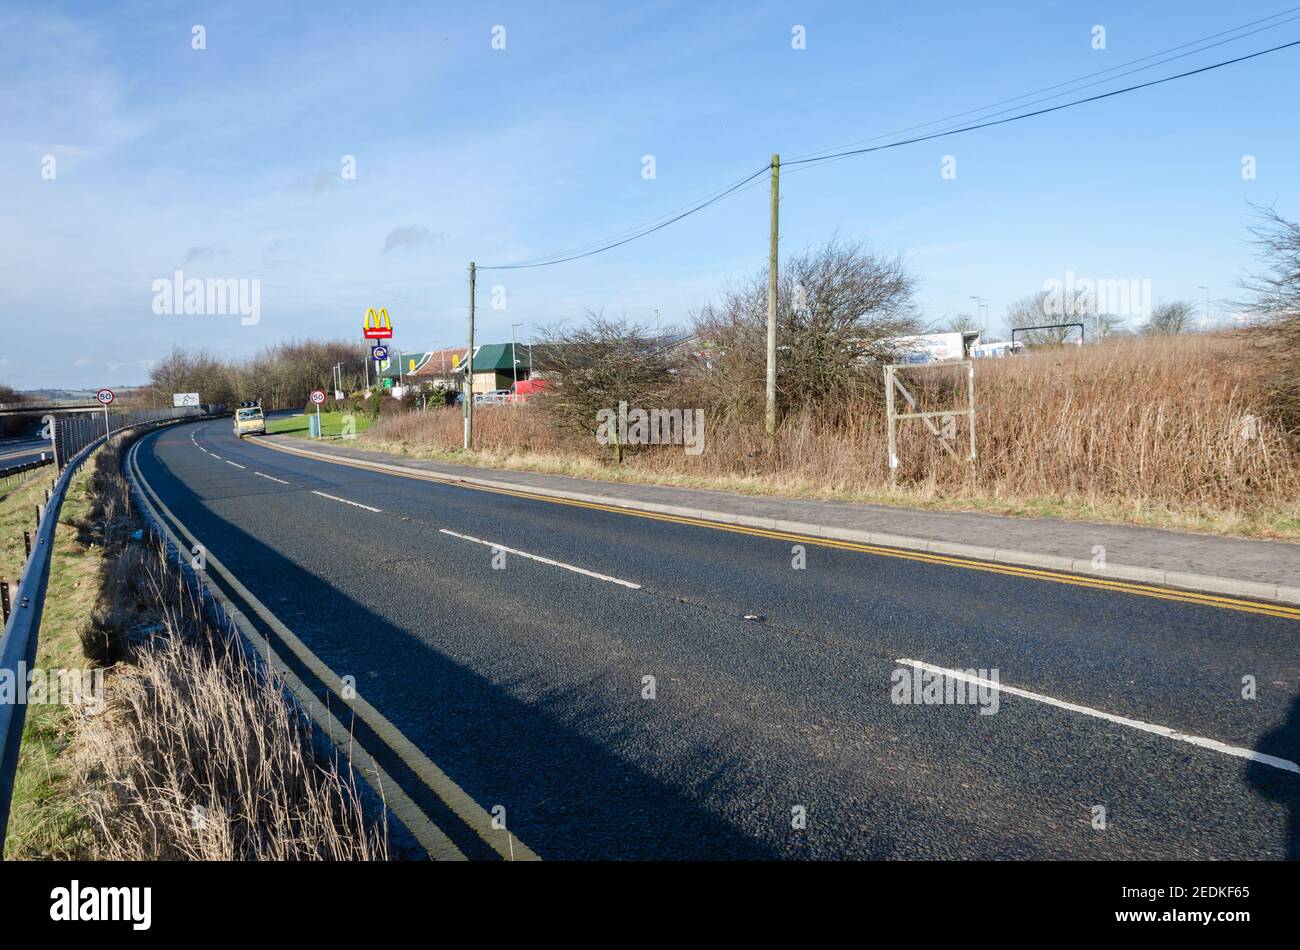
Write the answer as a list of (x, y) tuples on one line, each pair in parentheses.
[(378, 352)]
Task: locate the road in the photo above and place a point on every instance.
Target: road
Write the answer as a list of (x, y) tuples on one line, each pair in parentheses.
[(15, 452), (522, 674)]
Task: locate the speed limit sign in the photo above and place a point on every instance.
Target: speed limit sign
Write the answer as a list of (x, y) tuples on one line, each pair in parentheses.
[(105, 397), (318, 396)]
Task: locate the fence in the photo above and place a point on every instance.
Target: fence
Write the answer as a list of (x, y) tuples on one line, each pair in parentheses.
[(20, 470), (74, 440)]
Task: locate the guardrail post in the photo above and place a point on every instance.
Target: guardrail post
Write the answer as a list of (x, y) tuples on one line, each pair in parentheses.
[(4, 600), (27, 542)]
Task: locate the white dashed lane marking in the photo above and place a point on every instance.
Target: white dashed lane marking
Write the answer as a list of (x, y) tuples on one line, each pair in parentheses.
[(1285, 765), (354, 504), (543, 560)]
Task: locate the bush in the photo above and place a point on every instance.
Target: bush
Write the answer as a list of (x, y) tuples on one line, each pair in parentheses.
[(838, 306), (598, 365), (1274, 299)]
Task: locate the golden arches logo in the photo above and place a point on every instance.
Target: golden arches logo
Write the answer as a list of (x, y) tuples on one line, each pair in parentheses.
[(377, 325)]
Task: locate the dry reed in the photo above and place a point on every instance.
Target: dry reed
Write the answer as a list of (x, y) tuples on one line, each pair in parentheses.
[(1169, 430), (200, 754)]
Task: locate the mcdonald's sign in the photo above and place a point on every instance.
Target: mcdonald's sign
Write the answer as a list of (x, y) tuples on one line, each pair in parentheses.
[(377, 326)]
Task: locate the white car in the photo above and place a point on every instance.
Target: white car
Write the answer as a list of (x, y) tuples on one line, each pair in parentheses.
[(249, 420)]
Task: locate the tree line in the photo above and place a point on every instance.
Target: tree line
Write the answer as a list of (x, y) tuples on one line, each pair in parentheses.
[(280, 376)]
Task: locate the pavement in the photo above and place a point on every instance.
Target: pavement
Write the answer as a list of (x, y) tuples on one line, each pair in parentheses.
[(614, 684), (1266, 570)]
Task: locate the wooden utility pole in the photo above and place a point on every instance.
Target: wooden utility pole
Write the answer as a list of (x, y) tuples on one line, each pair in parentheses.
[(469, 367), (771, 298)]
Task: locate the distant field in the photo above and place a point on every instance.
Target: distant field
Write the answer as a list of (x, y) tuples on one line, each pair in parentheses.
[(331, 424)]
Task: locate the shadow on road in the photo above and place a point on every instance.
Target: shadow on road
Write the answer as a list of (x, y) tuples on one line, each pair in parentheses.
[(1276, 784), (565, 795)]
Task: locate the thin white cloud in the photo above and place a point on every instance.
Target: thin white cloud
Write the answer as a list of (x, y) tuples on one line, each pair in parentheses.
[(410, 235)]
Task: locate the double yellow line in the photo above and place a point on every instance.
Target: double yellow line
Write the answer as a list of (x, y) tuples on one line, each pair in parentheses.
[(432, 838), (1281, 611)]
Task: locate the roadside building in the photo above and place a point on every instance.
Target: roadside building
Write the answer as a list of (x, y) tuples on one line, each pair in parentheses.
[(497, 366), (393, 372), (440, 367)]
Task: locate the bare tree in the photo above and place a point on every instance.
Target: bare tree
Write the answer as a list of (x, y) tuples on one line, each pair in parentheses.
[(1038, 310), (597, 365), (1273, 298), (280, 376), (1102, 326), (839, 308), (1177, 316), (960, 323), (1274, 291)]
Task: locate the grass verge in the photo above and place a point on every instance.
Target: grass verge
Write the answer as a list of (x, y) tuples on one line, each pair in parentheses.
[(331, 424), (195, 751), (44, 821), (1275, 522)]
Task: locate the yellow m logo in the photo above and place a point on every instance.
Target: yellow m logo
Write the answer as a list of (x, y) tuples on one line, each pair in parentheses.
[(377, 325)]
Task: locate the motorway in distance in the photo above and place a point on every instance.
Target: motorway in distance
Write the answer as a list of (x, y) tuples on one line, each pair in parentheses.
[(15, 452), (512, 641)]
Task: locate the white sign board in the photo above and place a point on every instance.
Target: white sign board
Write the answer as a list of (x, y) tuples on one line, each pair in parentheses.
[(185, 399)]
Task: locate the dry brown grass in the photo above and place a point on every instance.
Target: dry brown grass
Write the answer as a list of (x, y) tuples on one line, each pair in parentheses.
[(200, 754), (1167, 431)]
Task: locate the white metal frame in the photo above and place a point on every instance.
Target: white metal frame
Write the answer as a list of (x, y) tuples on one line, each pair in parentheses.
[(892, 383)]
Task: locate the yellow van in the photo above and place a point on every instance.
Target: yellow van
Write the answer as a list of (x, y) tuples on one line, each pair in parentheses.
[(249, 419)]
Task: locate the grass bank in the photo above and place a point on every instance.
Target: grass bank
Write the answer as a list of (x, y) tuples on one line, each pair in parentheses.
[(331, 423), (194, 751), (44, 820)]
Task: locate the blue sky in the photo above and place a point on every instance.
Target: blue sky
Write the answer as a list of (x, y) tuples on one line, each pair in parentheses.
[(225, 162)]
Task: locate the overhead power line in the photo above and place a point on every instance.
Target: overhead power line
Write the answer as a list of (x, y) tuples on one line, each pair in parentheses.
[(813, 159), (638, 231), (1038, 112), (1079, 79)]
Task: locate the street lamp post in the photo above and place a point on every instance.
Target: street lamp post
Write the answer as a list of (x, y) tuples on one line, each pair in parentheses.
[(979, 312), (514, 360)]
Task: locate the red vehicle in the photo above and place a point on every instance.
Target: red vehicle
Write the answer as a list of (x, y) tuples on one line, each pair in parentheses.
[(524, 388)]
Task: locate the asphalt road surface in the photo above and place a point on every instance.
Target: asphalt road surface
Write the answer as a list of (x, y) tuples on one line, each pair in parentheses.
[(1120, 731), (14, 452)]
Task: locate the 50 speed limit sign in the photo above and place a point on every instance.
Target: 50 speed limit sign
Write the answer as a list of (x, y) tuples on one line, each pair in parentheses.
[(318, 396), (105, 397)]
